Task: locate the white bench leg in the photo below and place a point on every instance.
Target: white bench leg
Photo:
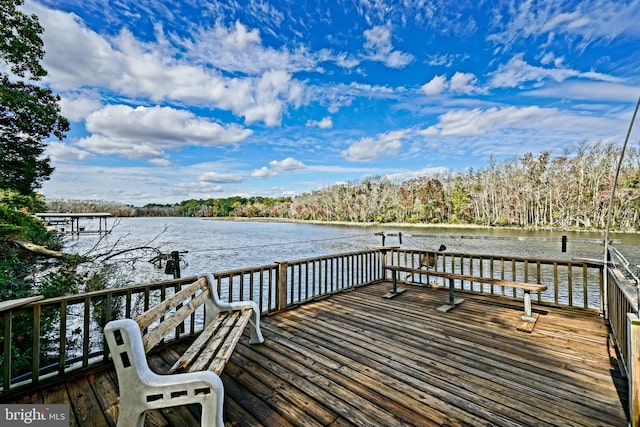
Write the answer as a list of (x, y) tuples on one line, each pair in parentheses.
[(125, 416), (212, 412)]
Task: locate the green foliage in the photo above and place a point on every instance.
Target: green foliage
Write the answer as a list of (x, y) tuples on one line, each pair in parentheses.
[(13, 276), (17, 266), (30, 203), (22, 274), (29, 114), (20, 42), (59, 282), (20, 225)]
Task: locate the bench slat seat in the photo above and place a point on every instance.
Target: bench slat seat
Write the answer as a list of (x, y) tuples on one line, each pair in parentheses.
[(528, 319), (214, 346), (536, 287)]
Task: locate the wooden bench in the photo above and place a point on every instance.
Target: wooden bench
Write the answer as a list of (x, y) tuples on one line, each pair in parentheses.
[(194, 378), (528, 319)]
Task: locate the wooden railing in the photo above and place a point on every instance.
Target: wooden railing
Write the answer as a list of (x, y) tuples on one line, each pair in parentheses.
[(48, 338), (277, 286), (622, 294), (622, 298)]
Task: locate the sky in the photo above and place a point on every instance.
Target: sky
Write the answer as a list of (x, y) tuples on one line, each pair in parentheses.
[(174, 100)]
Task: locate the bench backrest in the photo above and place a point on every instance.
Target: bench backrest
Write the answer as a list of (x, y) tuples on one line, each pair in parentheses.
[(172, 312)]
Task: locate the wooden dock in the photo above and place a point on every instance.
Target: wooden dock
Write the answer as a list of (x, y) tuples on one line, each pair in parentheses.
[(70, 222), (357, 359)]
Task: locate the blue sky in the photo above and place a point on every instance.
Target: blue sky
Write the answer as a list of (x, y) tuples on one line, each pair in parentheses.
[(202, 99)]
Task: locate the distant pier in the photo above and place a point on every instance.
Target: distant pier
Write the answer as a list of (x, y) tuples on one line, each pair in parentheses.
[(70, 222)]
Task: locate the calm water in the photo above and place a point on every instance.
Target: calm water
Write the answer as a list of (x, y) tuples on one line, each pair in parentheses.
[(212, 245)]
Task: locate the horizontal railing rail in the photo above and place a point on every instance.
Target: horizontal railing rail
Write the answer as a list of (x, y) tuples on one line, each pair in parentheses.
[(257, 284)]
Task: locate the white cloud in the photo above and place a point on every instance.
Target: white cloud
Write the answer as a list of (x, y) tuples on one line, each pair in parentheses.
[(61, 152), (77, 106), (239, 49), (346, 60), (587, 21), (342, 95), (367, 149), (435, 86), (219, 178), (444, 60), (263, 172), (154, 70), (278, 167), (146, 132), (561, 20), (199, 187), (325, 123), (90, 62), (517, 71), (464, 83), (379, 48), (239, 39), (476, 122), (270, 89), (136, 185), (589, 91), (430, 131), (286, 165), (162, 162)]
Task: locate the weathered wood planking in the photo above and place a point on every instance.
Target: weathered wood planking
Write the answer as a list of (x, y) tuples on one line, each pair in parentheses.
[(495, 374), (356, 359), (451, 350)]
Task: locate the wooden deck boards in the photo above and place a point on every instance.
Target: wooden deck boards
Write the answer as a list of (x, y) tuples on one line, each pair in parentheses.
[(357, 359)]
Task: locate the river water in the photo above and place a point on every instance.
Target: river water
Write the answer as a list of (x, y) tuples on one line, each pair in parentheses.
[(209, 245)]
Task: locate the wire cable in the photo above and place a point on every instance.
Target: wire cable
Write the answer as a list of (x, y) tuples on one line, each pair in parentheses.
[(267, 245)]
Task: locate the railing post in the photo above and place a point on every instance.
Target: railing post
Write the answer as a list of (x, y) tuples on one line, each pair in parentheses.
[(382, 250), (281, 284), (633, 366)]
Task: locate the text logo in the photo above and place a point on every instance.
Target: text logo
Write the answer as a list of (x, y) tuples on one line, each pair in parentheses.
[(34, 415)]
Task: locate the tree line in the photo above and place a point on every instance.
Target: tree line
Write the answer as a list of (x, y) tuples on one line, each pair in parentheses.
[(569, 190)]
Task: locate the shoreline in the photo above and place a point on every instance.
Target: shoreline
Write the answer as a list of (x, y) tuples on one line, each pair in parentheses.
[(417, 226)]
